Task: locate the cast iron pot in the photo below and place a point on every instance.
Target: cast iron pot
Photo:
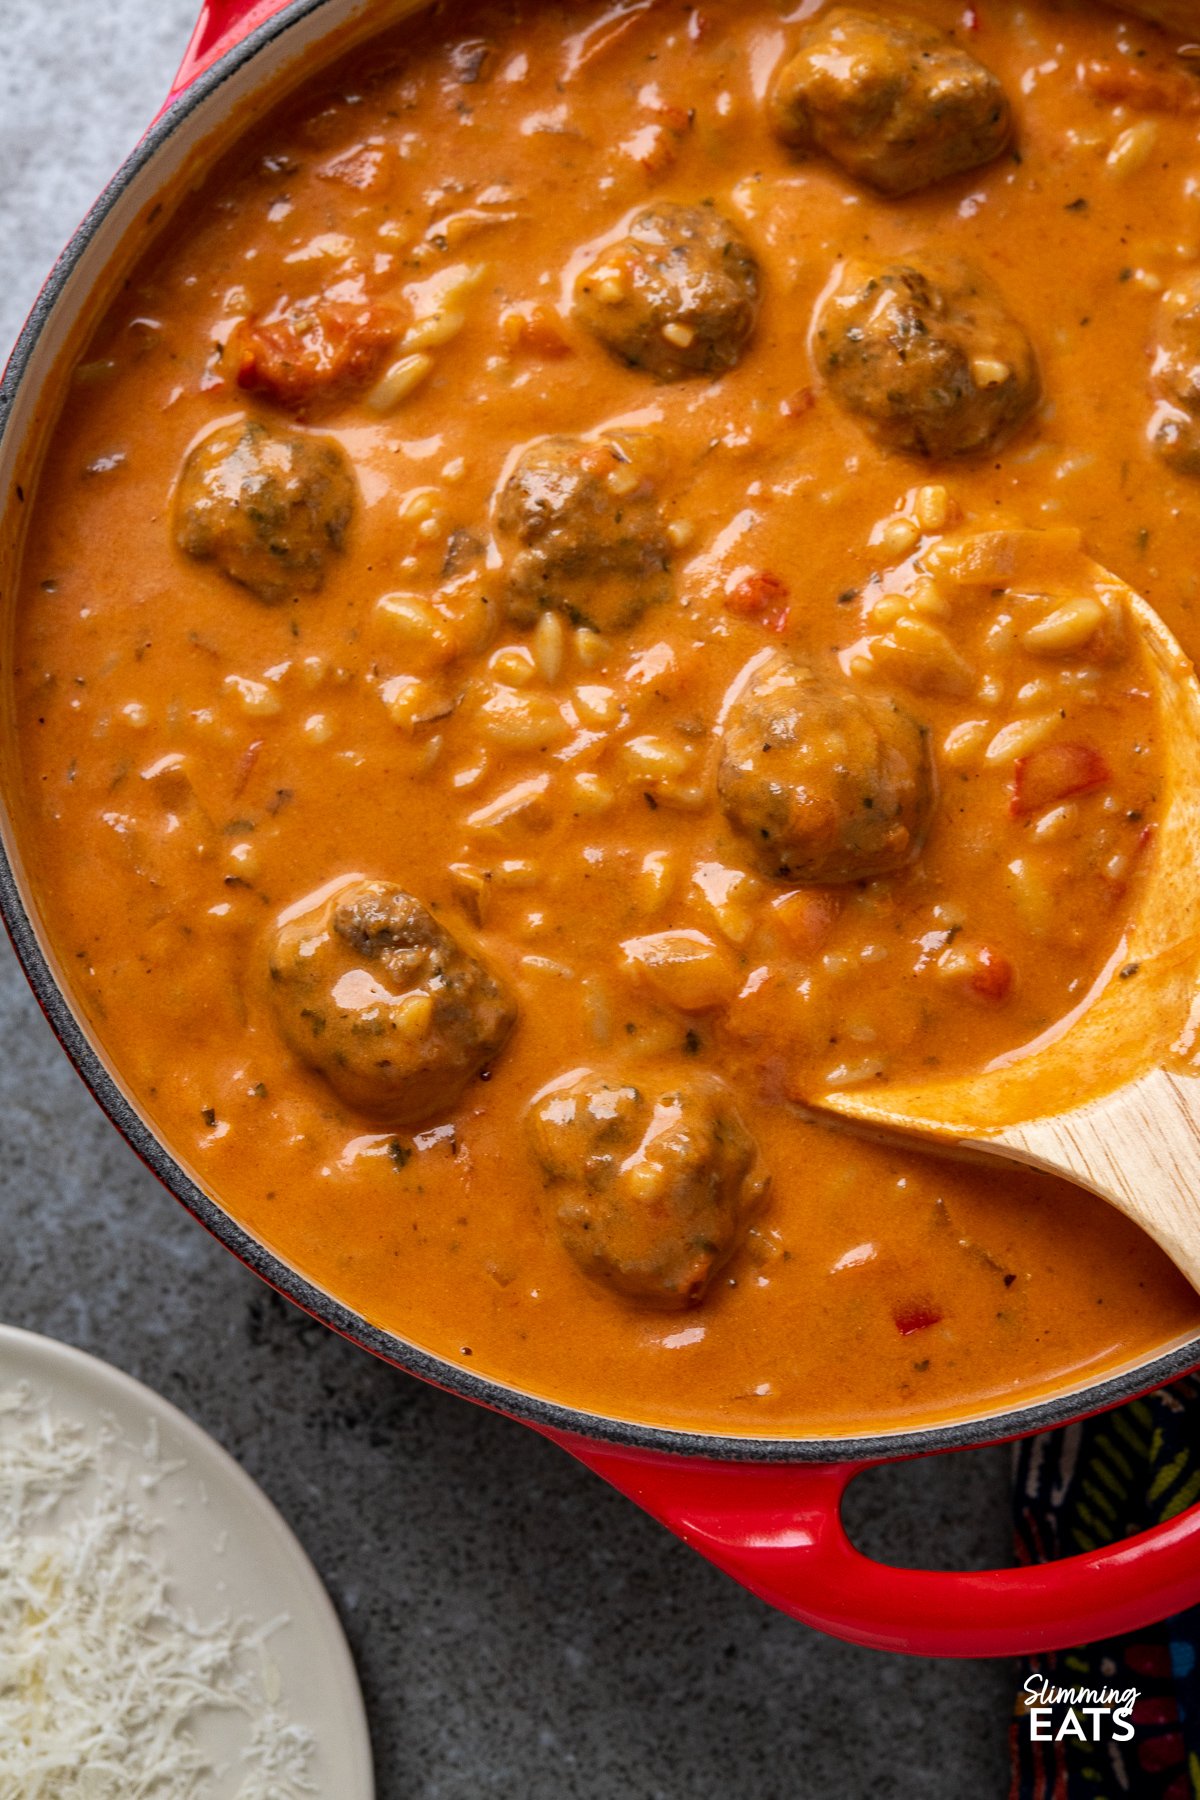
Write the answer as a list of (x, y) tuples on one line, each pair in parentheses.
[(765, 1510)]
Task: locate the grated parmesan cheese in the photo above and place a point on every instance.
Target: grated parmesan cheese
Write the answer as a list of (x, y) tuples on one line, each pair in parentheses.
[(102, 1678)]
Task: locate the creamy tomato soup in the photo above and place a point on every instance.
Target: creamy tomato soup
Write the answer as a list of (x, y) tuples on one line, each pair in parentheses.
[(565, 616)]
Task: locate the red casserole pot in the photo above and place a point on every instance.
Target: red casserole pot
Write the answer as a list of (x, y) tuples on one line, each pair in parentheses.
[(767, 1511)]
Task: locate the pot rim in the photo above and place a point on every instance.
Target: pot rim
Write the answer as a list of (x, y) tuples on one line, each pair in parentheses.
[(549, 1416)]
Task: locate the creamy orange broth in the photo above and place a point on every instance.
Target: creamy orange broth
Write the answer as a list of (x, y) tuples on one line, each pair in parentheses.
[(194, 762)]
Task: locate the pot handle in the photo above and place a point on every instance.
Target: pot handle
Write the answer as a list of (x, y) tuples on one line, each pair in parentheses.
[(777, 1529), (221, 25)]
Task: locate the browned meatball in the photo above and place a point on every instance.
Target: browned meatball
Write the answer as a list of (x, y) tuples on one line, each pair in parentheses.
[(372, 992), (584, 529), (928, 358), (677, 297), (892, 101), (1176, 380), (654, 1191), (268, 507), (827, 781)]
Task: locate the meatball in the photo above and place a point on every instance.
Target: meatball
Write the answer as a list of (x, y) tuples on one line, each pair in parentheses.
[(892, 101), (929, 360), (654, 1193), (1176, 425), (585, 530), (828, 782), (378, 997), (268, 507), (677, 297)]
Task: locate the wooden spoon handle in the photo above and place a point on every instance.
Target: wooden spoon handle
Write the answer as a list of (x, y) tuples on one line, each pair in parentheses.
[(1138, 1148)]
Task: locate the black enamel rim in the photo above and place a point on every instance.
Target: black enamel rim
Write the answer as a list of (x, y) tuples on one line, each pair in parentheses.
[(542, 1414)]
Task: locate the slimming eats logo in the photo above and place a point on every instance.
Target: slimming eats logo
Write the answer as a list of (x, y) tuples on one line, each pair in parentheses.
[(1091, 1715)]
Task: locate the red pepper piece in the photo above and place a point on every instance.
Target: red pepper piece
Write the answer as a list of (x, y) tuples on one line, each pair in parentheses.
[(762, 596), (992, 976), (799, 403), (245, 768), (915, 1315), (1054, 772), (1145, 90), (314, 353)]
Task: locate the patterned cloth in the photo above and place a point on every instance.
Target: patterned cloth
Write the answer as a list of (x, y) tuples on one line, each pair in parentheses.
[(1090, 1484)]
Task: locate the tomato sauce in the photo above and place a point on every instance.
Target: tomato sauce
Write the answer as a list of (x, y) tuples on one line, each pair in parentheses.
[(390, 262)]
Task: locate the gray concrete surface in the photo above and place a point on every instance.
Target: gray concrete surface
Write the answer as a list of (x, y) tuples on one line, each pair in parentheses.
[(521, 1631)]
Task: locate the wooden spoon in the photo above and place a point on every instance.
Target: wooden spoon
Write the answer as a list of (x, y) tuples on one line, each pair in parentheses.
[(1110, 1097)]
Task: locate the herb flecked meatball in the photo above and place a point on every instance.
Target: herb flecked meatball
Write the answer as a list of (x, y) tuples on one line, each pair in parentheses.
[(268, 507), (584, 529), (1176, 426), (930, 361), (678, 296), (892, 101), (826, 781), (378, 997), (654, 1193)]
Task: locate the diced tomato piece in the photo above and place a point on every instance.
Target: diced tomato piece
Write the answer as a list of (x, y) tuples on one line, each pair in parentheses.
[(1146, 90), (245, 768), (755, 593), (762, 596), (533, 330), (656, 146), (677, 119), (799, 403), (1054, 772), (916, 1315), (655, 151), (311, 352), (992, 975), (978, 969), (808, 916), (1118, 884)]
